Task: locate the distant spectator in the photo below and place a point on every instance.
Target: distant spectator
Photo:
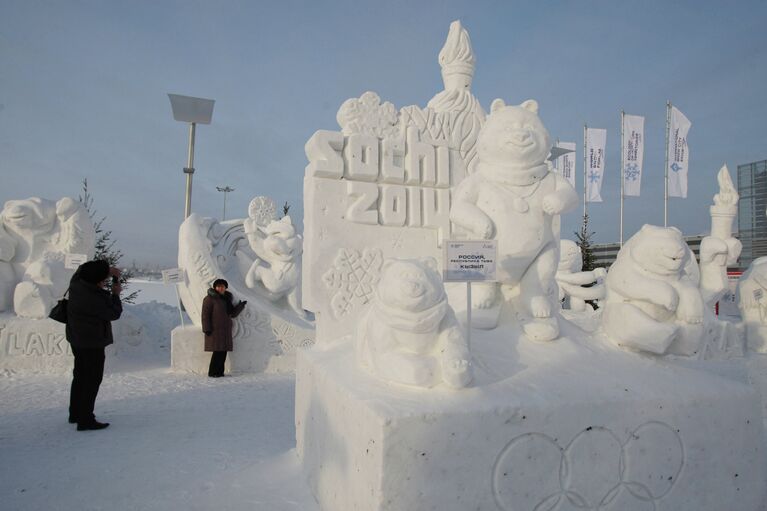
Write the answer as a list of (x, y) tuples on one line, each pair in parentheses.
[(217, 313), (90, 311)]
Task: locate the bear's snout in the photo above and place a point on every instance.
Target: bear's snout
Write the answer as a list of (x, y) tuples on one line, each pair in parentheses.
[(412, 288)]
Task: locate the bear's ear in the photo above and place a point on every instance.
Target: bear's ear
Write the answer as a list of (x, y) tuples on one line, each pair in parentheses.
[(497, 105), (387, 263), (531, 105), (430, 262)]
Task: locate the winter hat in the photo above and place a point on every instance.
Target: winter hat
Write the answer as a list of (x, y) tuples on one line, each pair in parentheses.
[(94, 271), (220, 282)]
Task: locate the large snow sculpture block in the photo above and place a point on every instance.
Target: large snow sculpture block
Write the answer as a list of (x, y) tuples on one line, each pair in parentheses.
[(572, 427), (187, 351), (33, 344)]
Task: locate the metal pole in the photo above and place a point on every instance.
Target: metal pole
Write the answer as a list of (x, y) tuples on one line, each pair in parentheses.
[(665, 169), (178, 302), (623, 169), (585, 130), (224, 216), (468, 313), (189, 170)]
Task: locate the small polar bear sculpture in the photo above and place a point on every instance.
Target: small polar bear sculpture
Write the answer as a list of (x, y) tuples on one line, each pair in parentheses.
[(278, 265), (410, 334), (515, 198), (752, 302), (653, 296)]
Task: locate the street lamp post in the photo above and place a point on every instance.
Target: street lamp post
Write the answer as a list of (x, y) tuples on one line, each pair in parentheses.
[(193, 111), (225, 189)]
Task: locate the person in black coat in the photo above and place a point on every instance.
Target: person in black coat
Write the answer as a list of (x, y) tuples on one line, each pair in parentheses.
[(217, 313), (90, 311)]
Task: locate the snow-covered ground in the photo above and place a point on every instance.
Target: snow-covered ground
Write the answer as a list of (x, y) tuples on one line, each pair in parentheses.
[(176, 441)]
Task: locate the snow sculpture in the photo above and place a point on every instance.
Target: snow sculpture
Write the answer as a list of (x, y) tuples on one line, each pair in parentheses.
[(515, 198), (381, 188), (656, 285), (572, 424), (260, 257), (752, 302), (278, 263), (35, 236), (571, 279), (410, 334)]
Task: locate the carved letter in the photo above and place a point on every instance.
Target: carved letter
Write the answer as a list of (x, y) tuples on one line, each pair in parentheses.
[(436, 211), (392, 160), (361, 154), (393, 205), (362, 196), (35, 344), (413, 206), (443, 167), (324, 153), (419, 161)]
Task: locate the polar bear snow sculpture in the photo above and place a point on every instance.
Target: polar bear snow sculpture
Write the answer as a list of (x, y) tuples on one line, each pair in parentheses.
[(571, 279), (515, 198), (410, 334), (656, 287), (35, 235)]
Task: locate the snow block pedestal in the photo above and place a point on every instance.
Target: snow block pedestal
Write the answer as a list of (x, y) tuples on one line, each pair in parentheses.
[(570, 424), (187, 351), (33, 344)]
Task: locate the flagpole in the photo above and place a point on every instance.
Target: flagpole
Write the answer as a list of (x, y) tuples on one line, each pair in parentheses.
[(665, 170), (584, 172), (623, 169)]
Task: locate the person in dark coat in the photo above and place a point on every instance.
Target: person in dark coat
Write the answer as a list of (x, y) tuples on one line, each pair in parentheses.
[(217, 313), (90, 311)]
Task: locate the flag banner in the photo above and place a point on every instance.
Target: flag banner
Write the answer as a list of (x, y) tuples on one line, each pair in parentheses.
[(595, 163), (565, 164), (678, 154), (633, 154)]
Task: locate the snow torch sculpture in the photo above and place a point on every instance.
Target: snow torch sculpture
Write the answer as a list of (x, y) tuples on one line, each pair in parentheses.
[(398, 408)]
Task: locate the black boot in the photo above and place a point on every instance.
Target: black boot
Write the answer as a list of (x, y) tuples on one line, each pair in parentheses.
[(92, 425)]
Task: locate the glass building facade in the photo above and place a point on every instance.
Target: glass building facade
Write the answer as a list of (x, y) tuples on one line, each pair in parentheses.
[(752, 211)]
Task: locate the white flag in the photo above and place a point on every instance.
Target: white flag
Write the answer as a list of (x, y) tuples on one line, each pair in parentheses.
[(565, 164), (678, 154), (633, 154), (595, 163)]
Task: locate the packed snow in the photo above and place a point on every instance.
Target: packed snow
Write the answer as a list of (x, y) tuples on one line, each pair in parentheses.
[(176, 441)]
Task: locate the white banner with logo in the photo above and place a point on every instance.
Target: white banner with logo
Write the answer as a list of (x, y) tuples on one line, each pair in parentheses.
[(596, 139), (678, 154), (633, 154), (565, 164)]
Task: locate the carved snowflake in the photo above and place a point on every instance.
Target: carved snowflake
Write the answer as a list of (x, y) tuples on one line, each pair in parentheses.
[(352, 279), (263, 210), (396, 241), (367, 115)]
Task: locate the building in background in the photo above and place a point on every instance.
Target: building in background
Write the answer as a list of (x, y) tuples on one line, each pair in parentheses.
[(752, 220)]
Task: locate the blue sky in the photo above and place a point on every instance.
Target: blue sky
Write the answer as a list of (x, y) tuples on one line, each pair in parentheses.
[(83, 94)]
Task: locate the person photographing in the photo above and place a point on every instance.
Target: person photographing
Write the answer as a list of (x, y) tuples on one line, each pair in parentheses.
[(217, 313), (90, 312)]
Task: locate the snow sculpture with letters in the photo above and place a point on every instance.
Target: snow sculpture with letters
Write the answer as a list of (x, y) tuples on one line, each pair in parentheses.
[(571, 280), (515, 198), (35, 236), (410, 334), (577, 423)]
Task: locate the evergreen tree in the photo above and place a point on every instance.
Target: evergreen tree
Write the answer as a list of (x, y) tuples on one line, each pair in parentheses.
[(583, 240), (285, 209), (105, 245)]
